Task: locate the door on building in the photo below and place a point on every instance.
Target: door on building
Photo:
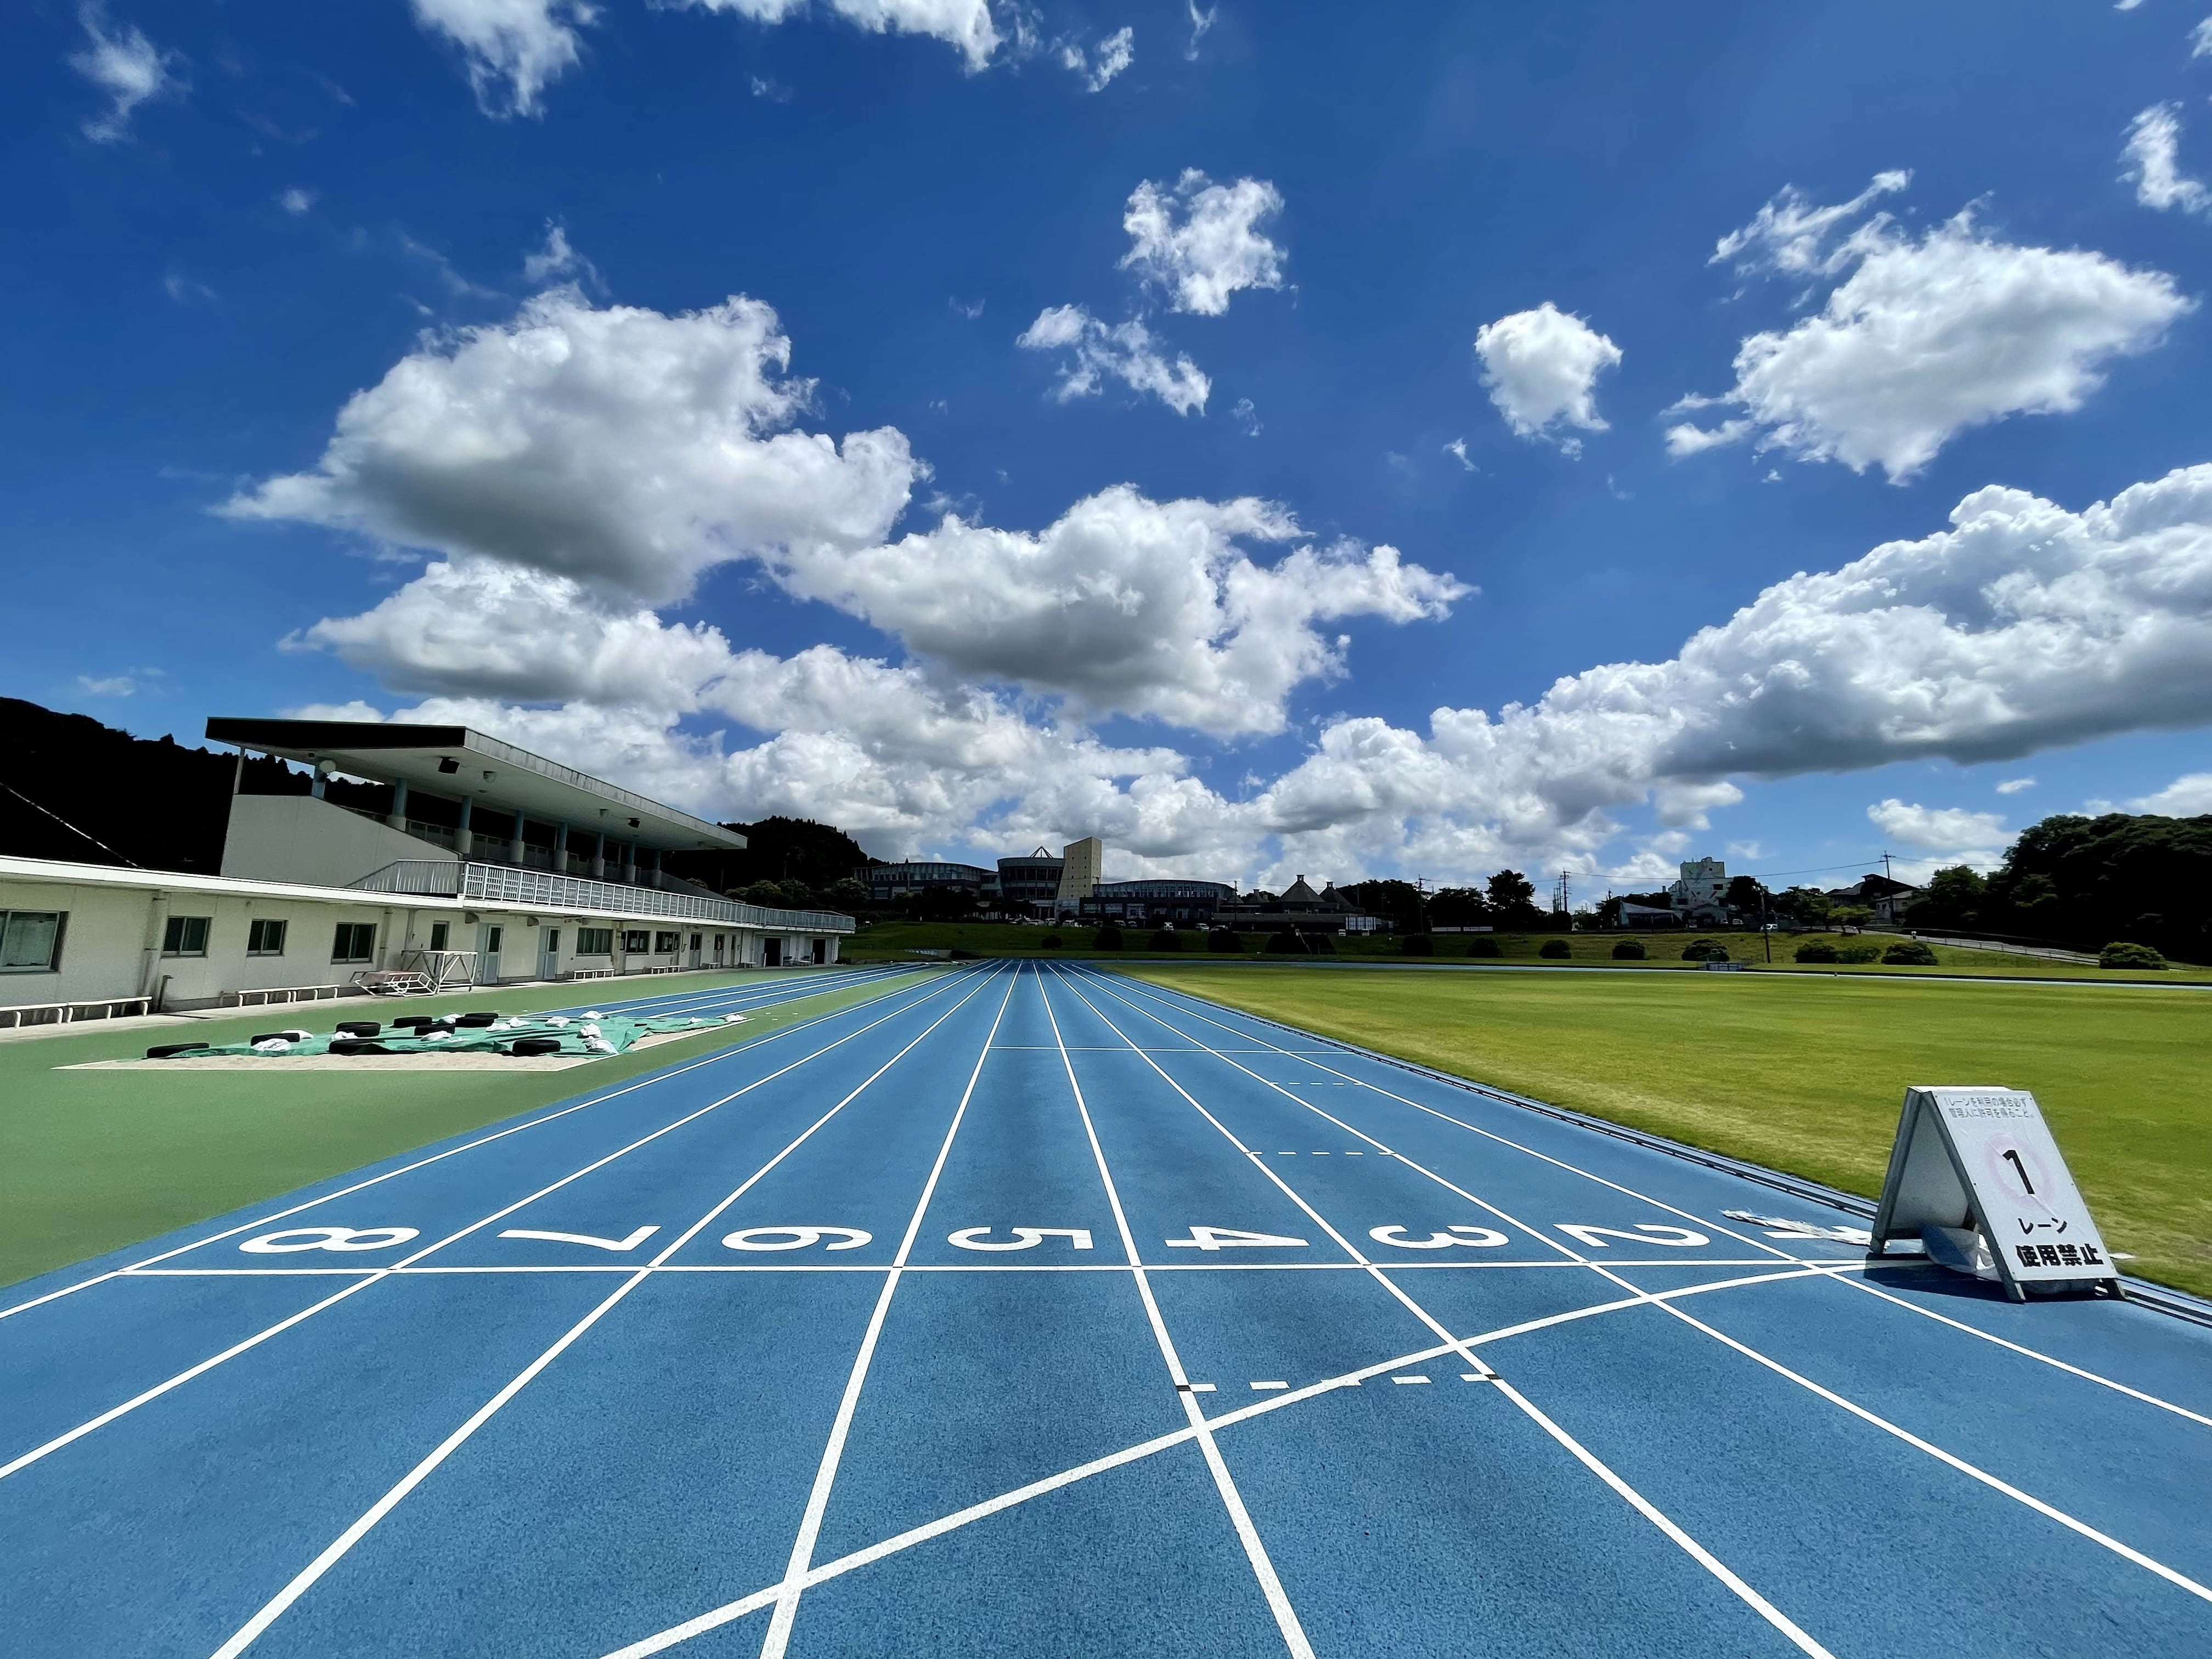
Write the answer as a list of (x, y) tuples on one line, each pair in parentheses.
[(719, 948), (549, 952), (771, 953), (821, 953), (487, 943), (696, 939)]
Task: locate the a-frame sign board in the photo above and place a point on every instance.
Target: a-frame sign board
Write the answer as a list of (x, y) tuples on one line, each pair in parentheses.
[(1982, 1159)]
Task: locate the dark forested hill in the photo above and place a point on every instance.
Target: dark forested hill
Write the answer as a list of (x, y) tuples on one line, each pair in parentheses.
[(153, 802), (779, 849)]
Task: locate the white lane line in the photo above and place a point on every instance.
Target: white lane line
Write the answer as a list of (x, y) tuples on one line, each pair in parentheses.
[(1675, 1534), (301, 1583), (206, 1365), (2031, 1353), (435, 1158), (825, 1475), (2049, 1511), (1263, 1387), (1854, 1266), (714, 1619), (1248, 1534), (1410, 1379)]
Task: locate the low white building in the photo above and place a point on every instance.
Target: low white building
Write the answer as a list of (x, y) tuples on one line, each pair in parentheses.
[(313, 893)]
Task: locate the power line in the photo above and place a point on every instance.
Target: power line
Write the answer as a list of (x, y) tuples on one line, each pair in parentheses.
[(71, 828)]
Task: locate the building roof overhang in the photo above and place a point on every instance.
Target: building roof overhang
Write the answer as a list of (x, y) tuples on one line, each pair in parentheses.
[(460, 761)]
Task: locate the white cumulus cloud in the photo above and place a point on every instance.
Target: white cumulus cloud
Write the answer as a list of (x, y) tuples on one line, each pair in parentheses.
[(2187, 797), (2154, 163), (965, 24), (2014, 786), (127, 66), (1927, 337), (1200, 242), (512, 50), (617, 446), (1099, 351), (1947, 829), (1541, 369)]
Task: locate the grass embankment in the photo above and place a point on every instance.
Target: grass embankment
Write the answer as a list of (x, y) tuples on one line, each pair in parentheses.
[(1807, 1075), (886, 941), (91, 1161)]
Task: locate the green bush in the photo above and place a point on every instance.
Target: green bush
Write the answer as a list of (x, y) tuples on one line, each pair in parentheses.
[(1483, 946), (1909, 953), (1106, 939), (1629, 950), (1288, 943), (1321, 944), (1417, 944), (1223, 942), (2119, 954), (1816, 953), (1049, 942), (1858, 952), (1167, 939), (1556, 949), (1704, 949)]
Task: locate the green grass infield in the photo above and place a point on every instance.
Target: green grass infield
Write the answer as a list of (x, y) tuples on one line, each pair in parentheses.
[(91, 1161), (1806, 1074)]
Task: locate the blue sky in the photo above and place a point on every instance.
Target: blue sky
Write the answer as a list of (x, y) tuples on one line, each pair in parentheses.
[(372, 356)]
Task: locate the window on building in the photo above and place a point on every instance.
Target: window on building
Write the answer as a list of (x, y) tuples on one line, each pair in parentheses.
[(355, 941), (264, 936), (664, 944), (31, 940), (636, 940), (185, 936), (493, 936), (440, 933), (694, 941), (595, 941)]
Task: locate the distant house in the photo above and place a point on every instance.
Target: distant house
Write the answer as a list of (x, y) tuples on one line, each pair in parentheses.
[(1647, 915), (1300, 907), (1888, 899)]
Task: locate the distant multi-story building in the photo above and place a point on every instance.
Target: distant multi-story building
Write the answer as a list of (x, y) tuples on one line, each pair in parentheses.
[(1029, 886), (1081, 863), (1162, 903), (1703, 886), (887, 882)]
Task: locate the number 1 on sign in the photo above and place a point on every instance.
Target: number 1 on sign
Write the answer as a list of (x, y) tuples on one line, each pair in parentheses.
[(1231, 1238)]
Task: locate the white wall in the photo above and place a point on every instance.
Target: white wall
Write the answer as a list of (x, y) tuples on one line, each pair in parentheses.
[(113, 936), (299, 838)]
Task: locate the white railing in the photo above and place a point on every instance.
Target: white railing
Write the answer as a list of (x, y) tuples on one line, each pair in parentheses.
[(67, 1013), (540, 890)]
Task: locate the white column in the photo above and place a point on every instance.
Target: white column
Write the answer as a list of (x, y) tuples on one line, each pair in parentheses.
[(398, 819)]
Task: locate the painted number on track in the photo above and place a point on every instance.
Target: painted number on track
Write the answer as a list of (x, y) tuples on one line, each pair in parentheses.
[(616, 1245), (1647, 1232), (794, 1238), (295, 1239), (1231, 1238), (1026, 1239), (1475, 1238)]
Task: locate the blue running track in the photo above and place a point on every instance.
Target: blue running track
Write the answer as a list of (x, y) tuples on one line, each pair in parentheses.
[(1029, 1312)]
